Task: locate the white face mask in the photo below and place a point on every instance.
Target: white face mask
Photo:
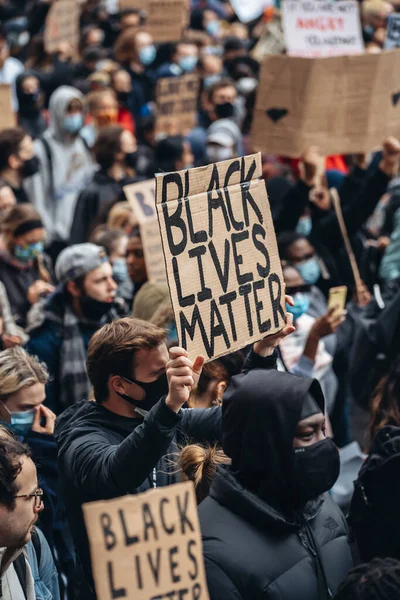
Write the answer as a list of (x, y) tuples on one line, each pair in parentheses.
[(217, 153)]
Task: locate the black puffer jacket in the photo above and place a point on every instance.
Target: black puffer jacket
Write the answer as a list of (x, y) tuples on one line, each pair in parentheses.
[(252, 552)]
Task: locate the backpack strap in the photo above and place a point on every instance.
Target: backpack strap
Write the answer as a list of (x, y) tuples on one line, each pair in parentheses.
[(47, 150), (37, 545), (19, 565)]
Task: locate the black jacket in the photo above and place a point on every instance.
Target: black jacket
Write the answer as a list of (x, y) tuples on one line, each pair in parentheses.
[(102, 455), (252, 552)]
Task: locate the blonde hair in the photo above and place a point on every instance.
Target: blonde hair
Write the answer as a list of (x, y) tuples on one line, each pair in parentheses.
[(199, 464), (18, 370), (18, 215), (120, 216)]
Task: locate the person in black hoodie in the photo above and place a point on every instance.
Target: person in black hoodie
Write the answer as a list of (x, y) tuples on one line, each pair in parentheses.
[(120, 444), (115, 153), (30, 101), (269, 530)]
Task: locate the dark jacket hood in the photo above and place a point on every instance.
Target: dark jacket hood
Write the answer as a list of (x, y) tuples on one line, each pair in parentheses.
[(260, 413)]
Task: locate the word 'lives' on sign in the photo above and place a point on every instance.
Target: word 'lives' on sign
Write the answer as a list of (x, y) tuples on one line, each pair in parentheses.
[(176, 100), (147, 546), (141, 197), (298, 102), (320, 28), (221, 256), (62, 25)]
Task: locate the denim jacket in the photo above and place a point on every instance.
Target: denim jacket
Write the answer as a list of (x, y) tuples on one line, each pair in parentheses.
[(44, 574)]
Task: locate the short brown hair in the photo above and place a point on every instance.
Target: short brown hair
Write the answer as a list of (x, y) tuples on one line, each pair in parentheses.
[(112, 351)]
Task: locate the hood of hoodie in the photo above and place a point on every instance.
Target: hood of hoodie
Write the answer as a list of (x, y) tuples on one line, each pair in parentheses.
[(59, 101), (260, 413)]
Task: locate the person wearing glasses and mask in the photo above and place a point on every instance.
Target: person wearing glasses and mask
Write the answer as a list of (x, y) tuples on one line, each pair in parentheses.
[(27, 567)]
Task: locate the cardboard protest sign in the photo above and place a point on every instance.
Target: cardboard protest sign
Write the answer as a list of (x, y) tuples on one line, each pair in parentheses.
[(392, 32), (221, 256), (7, 117), (342, 104), (138, 4), (62, 25), (176, 100), (320, 28), (141, 197), (147, 546)]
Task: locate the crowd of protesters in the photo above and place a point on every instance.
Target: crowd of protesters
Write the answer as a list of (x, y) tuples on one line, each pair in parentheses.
[(97, 399)]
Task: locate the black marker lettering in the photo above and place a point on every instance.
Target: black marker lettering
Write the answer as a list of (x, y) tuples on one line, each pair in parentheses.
[(167, 529), (196, 591), (148, 522), (214, 203), (245, 290), (173, 564), (115, 593), (276, 300), (109, 536), (250, 173), (265, 326), (247, 198), (175, 220), (129, 539), (223, 276), (197, 237), (228, 299), (233, 168), (190, 328), (183, 300), (242, 278), (205, 292), (192, 574), (258, 230), (138, 572), (155, 568), (182, 510), (183, 593), (217, 327)]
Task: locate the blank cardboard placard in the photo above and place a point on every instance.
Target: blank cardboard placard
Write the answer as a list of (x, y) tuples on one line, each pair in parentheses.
[(62, 25), (221, 256), (176, 99), (141, 197), (342, 104), (147, 546), (166, 20), (319, 28), (7, 116), (392, 32)]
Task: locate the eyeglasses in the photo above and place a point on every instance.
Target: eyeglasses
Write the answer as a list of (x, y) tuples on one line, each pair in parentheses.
[(37, 494)]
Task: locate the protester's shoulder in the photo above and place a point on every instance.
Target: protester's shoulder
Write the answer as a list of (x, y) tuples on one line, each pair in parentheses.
[(81, 419)]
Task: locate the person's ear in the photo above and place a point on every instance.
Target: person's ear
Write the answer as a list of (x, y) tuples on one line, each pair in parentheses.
[(117, 384), (73, 289), (14, 162), (219, 390)]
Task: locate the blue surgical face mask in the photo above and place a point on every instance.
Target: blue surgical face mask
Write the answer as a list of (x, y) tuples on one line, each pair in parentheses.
[(304, 226), (188, 63), (120, 270), (20, 422), (310, 271), (147, 55), (210, 80), (213, 28), (73, 123), (301, 305), (27, 253)]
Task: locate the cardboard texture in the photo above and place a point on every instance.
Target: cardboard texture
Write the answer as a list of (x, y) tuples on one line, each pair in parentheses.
[(221, 256), (165, 20), (147, 546), (176, 100), (141, 197), (343, 104), (392, 32), (62, 25), (318, 28), (7, 116), (138, 4)]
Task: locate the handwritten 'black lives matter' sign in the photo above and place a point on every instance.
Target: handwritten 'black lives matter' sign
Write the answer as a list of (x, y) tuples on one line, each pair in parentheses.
[(147, 546), (221, 256), (141, 197), (176, 100)]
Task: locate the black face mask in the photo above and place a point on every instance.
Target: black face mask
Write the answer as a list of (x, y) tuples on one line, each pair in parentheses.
[(30, 167), (154, 391), (123, 97), (131, 159), (94, 310), (29, 103), (224, 111), (315, 470)]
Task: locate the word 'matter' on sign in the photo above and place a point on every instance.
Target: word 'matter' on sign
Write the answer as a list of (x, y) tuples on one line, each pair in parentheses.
[(147, 546), (318, 28), (141, 197), (7, 116), (221, 256), (343, 104), (176, 100), (62, 25), (392, 32)]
